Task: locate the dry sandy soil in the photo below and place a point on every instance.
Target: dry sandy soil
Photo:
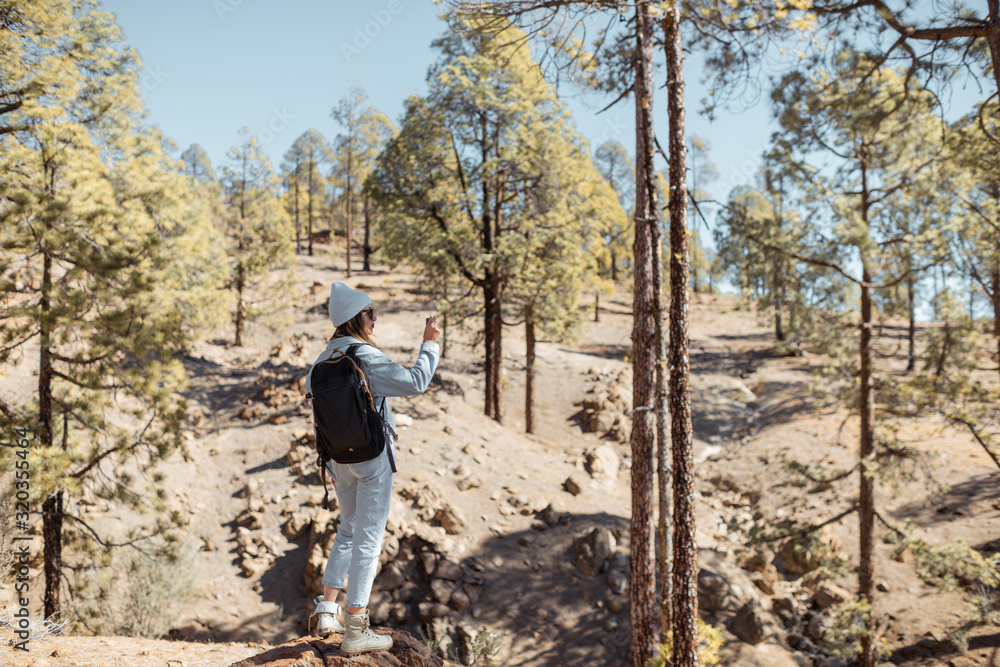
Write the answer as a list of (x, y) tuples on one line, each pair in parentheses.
[(750, 407)]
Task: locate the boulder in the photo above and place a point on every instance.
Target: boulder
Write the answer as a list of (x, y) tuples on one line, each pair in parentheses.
[(594, 549), (715, 593), (751, 623), (602, 461)]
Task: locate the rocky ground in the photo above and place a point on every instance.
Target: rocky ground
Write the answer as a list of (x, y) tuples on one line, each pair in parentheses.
[(525, 536)]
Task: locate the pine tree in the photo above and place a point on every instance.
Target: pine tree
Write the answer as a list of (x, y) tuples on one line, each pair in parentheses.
[(881, 133), (455, 185), (367, 131), (197, 165), (258, 233), (573, 206), (92, 213), (616, 167), (305, 186), (975, 182)]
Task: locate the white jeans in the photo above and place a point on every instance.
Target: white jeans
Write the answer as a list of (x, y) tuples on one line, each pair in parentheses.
[(363, 492)]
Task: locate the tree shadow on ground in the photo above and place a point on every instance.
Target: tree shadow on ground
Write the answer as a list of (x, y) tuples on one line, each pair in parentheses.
[(955, 503), (552, 611), (216, 387), (614, 352), (940, 650)]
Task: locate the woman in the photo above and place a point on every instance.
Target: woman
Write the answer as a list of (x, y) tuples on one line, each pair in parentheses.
[(365, 489)]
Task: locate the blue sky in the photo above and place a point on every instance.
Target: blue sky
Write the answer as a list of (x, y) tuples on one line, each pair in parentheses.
[(211, 67)]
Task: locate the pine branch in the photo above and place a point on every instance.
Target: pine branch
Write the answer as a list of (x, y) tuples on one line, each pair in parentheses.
[(10, 412), (812, 528), (975, 434), (108, 545)]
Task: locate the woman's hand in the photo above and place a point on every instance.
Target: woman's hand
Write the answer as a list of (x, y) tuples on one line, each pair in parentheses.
[(432, 330)]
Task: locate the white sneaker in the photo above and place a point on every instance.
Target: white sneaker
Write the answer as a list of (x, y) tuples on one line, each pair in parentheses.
[(327, 612), (360, 639)]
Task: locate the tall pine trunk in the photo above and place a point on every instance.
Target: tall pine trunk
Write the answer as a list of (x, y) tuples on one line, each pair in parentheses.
[(685, 555), (642, 581), (993, 38), (492, 297), (348, 212), (312, 168), (298, 232), (529, 371), (367, 250), (777, 290), (866, 503), (52, 506), (911, 331)]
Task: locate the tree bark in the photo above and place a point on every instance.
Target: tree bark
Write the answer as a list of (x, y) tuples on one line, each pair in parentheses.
[(993, 38), (492, 297), (597, 306), (367, 250), (348, 209), (685, 565), (298, 231), (911, 334), (240, 280), (529, 371), (52, 506), (866, 504), (312, 167), (642, 581), (777, 291)]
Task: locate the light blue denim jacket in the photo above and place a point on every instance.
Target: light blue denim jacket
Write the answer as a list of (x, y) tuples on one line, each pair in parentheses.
[(385, 377)]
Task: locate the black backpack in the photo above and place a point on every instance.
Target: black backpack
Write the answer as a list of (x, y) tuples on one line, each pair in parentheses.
[(348, 427)]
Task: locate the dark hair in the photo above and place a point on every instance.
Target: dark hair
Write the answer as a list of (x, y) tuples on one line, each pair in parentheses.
[(355, 328)]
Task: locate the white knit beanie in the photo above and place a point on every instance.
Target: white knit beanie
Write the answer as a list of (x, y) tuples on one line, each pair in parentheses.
[(345, 303)]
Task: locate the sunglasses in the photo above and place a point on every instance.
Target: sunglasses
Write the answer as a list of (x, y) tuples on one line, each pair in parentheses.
[(370, 311)]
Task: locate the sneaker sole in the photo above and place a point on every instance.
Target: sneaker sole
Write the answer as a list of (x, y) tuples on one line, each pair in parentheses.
[(358, 651)]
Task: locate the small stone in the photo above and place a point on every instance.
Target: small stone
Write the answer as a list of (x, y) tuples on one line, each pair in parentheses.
[(829, 594), (459, 600), (448, 569), (429, 560), (617, 581), (400, 613), (441, 591), (882, 586), (615, 605), (402, 420), (610, 624), (572, 486), (248, 519), (448, 429), (470, 482), (450, 520), (277, 418)]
